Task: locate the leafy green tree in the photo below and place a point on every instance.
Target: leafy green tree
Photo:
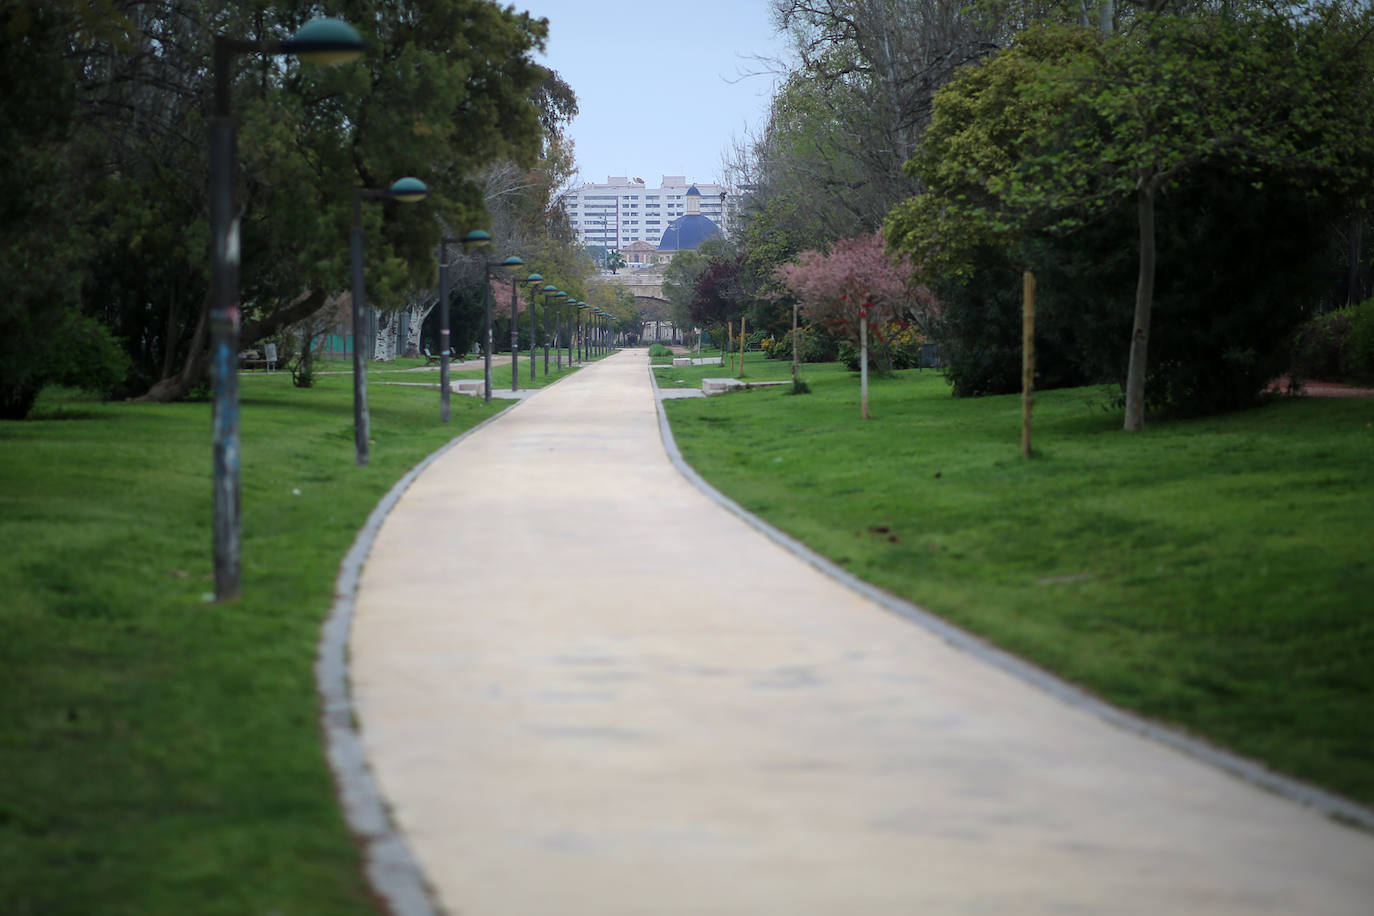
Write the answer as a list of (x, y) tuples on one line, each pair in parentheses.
[(445, 87), (44, 337), (1181, 94), (1094, 122), (679, 285), (719, 295)]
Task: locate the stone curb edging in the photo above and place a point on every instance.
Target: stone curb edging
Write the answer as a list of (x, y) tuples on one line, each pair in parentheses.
[(390, 867), (1333, 806)]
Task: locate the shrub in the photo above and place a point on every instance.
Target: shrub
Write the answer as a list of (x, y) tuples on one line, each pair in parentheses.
[(1228, 294), (73, 350), (658, 349), (1336, 347), (1359, 351), (817, 346), (1317, 346), (898, 346), (979, 333)]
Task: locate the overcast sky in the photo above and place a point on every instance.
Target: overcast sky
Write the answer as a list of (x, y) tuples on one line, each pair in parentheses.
[(658, 85)]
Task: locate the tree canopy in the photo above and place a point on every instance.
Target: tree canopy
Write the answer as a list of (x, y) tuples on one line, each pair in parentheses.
[(115, 97), (1065, 126)]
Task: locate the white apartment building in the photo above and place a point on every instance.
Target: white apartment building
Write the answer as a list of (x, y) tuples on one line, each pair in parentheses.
[(626, 210)]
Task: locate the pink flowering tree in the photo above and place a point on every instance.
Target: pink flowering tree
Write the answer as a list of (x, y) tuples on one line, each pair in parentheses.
[(857, 289)]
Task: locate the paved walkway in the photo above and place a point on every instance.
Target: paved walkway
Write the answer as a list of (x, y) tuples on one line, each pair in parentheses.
[(584, 688)]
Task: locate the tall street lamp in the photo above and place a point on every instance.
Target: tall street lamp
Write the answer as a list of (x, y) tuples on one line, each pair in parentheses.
[(478, 238), (548, 292), (533, 280), (564, 333), (576, 331), (582, 352), (473, 238), (323, 41), (406, 190), (445, 334), (514, 261)]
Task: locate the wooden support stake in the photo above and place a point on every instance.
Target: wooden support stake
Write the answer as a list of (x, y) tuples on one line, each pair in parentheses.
[(1027, 360), (741, 346), (796, 353)]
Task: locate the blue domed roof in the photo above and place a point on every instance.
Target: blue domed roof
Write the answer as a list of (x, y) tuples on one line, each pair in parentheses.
[(686, 233), (693, 192)]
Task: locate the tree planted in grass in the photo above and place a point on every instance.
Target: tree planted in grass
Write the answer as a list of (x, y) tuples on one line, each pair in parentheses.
[(854, 286)]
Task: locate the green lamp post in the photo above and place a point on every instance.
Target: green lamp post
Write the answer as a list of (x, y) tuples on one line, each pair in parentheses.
[(474, 239), (583, 354), (514, 261), (564, 334), (533, 280), (323, 41), (406, 190), (548, 291)]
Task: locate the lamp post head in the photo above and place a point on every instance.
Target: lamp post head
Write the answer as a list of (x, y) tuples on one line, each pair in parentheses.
[(327, 42), (408, 190), (550, 289), (533, 278), (477, 237), (512, 261)]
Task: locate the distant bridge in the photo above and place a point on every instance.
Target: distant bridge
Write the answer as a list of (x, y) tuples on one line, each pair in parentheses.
[(642, 284)]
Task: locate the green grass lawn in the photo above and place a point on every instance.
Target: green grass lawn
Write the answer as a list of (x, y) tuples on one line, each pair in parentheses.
[(1214, 573), (161, 754)]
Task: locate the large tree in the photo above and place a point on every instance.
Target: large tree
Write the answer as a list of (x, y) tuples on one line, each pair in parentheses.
[(44, 337), (1065, 127), (445, 87)]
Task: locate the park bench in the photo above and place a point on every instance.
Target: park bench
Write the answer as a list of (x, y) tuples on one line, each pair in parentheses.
[(432, 359), (253, 359)]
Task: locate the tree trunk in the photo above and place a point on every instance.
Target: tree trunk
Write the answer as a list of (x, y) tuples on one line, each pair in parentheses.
[(174, 387), (1353, 293), (193, 370), (796, 351), (1144, 302), (863, 364), (419, 311), (385, 349), (173, 335)]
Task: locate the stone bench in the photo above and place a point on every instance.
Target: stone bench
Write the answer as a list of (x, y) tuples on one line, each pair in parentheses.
[(475, 387)]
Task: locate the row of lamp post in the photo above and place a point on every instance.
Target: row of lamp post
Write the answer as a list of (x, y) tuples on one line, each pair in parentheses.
[(326, 42)]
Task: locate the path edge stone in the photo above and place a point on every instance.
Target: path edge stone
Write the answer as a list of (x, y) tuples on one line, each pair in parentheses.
[(389, 865), (1335, 807)]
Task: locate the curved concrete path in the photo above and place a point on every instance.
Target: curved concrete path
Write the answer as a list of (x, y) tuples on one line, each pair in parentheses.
[(583, 687)]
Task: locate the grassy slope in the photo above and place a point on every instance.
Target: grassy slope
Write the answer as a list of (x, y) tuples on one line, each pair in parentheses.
[(161, 754), (1213, 573)]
